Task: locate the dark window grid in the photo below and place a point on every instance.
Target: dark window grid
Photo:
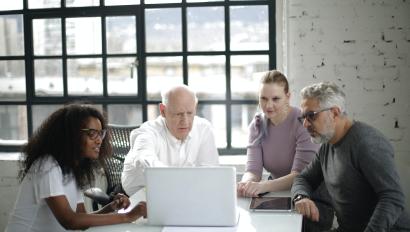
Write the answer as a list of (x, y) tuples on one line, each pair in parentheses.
[(140, 44)]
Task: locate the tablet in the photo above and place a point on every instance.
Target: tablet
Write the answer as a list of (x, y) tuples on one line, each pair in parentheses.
[(283, 204)]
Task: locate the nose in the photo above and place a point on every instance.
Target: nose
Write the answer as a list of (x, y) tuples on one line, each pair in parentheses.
[(306, 123), (98, 140), (184, 118)]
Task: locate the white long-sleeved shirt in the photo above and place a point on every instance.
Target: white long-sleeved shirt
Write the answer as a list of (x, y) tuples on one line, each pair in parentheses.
[(152, 145)]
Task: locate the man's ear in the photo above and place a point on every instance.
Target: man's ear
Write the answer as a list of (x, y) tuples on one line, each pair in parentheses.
[(336, 112), (162, 109)]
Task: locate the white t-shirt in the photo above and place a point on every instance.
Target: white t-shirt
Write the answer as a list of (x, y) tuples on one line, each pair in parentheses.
[(153, 145), (31, 212)]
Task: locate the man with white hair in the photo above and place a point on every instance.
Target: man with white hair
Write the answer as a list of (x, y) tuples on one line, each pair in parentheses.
[(176, 138), (356, 164)]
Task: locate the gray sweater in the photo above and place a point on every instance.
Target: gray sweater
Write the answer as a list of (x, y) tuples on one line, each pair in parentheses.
[(361, 177)]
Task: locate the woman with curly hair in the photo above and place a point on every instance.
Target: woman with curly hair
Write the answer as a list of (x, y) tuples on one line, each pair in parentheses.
[(59, 162)]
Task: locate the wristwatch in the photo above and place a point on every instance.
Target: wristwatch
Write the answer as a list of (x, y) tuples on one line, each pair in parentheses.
[(299, 197)]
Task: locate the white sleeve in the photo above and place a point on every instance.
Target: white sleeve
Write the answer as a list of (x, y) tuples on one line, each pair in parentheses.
[(208, 153), (50, 181)]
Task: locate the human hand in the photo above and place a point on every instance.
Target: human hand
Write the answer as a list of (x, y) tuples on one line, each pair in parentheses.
[(250, 188), (120, 202), (140, 210), (307, 208)]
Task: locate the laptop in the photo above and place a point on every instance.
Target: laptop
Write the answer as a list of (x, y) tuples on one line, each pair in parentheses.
[(191, 196)]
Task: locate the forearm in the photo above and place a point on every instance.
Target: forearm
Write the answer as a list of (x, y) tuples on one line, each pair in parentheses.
[(281, 184), (83, 221), (249, 176)]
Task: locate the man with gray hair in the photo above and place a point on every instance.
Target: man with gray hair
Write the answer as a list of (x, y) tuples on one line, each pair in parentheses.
[(176, 138), (356, 164)]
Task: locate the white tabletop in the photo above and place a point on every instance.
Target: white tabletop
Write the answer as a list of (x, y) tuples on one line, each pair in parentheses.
[(248, 221)]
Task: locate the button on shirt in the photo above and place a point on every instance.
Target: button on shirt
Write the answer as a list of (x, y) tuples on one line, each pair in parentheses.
[(153, 145)]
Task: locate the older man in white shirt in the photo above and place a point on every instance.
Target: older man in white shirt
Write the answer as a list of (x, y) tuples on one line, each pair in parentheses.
[(177, 138)]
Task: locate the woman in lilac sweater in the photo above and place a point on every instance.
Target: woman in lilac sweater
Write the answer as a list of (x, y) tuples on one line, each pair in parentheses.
[(278, 142)]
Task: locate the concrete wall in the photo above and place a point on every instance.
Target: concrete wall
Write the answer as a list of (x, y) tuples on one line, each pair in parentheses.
[(363, 46)]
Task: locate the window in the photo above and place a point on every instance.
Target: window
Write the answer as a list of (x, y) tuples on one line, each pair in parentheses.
[(119, 54)]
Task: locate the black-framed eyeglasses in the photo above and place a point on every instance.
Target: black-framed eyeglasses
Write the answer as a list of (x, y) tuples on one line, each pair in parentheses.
[(93, 133), (311, 115)]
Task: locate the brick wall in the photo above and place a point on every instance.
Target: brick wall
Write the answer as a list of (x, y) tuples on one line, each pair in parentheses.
[(363, 46)]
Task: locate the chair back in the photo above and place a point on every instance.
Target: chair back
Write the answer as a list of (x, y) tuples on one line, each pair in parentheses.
[(113, 165)]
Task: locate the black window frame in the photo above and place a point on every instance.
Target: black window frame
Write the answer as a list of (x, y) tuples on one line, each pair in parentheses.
[(139, 12)]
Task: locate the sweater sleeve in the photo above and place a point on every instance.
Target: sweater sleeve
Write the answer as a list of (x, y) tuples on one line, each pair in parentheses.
[(376, 162), (254, 162), (305, 148), (309, 179)]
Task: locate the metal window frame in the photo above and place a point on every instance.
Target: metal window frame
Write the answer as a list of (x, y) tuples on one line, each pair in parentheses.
[(139, 12)]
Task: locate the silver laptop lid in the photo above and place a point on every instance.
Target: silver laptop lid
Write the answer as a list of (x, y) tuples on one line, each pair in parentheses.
[(191, 196)]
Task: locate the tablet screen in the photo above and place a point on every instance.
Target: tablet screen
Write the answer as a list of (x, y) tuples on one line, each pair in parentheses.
[(271, 203)]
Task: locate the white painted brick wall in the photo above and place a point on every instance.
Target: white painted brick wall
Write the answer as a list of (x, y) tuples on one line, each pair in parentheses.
[(363, 46)]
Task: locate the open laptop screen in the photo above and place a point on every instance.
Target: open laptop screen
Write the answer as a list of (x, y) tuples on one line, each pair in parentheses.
[(191, 196)]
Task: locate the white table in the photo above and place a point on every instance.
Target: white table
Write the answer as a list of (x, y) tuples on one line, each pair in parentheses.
[(248, 221)]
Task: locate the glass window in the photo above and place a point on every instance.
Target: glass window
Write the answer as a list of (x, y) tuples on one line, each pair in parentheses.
[(12, 80), (207, 76), (37, 4), (78, 3), (48, 77), (249, 28), (163, 30), (13, 122), (121, 2), (84, 76), (83, 35), (162, 72), (242, 115), (216, 114), (41, 112), (47, 36), (246, 73), (202, 22), (122, 76), (120, 54), (11, 35), (11, 5), (121, 34), (125, 114)]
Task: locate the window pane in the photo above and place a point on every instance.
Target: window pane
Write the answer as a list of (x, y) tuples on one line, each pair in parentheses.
[(203, 22), (11, 35), (242, 116), (205, 0), (125, 114), (122, 76), (121, 35), (75, 3), (162, 72), (207, 76), (48, 77), (41, 112), (13, 122), (11, 5), (121, 2), (249, 28), (153, 111), (47, 36), (33, 4), (161, 1), (245, 75), (84, 76), (83, 35), (12, 80), (163, 30), (216, 114)]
